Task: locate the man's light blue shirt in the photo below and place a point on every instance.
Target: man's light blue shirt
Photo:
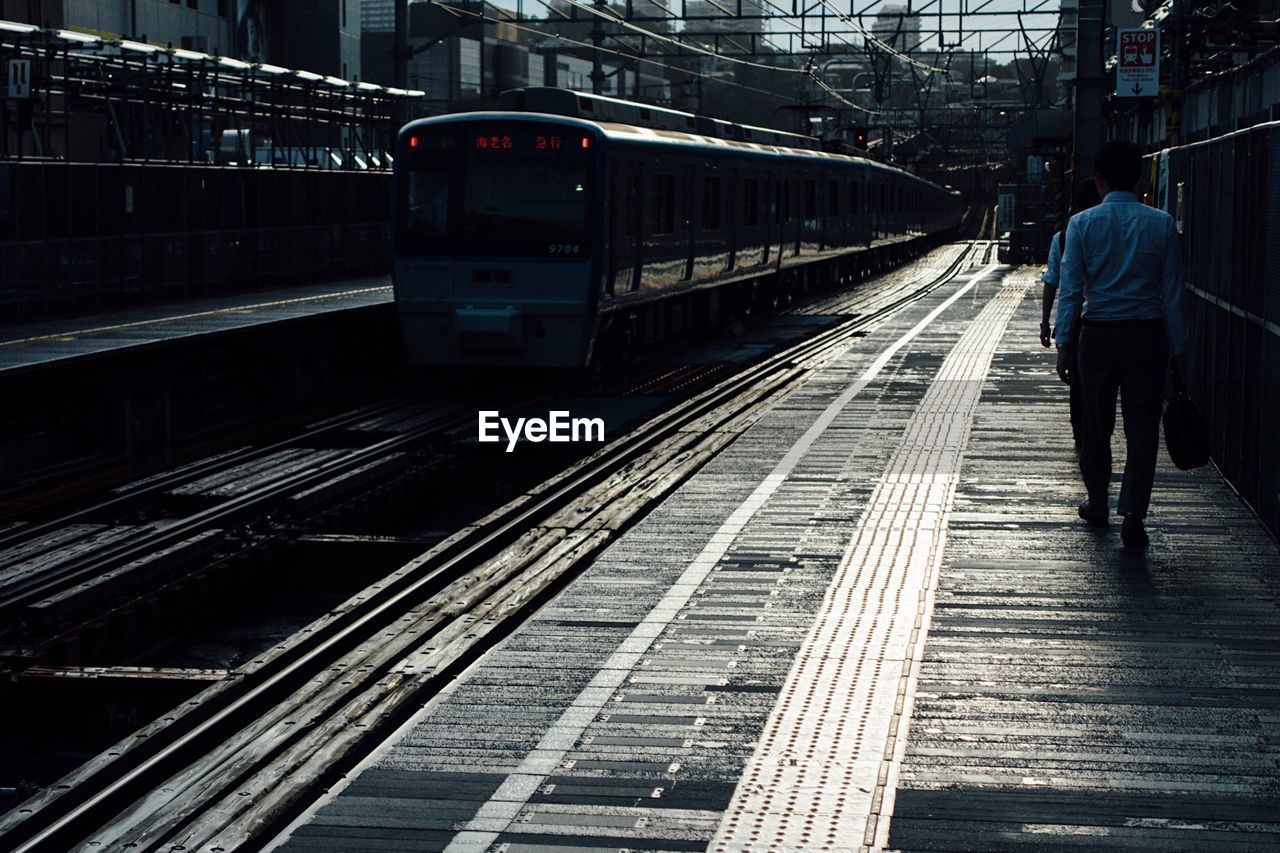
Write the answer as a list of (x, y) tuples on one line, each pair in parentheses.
[(1122, 262), (1050, 276)]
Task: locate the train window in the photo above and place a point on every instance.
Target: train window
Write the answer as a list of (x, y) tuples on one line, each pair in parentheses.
[(427, 210), (457, 202), (833, 198), (711, 204), (663, 205), (810, 199), (535, 202), (750, 202), (631, 194), (782, 209), (853, 198)]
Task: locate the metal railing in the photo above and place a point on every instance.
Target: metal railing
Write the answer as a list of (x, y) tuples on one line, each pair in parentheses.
[(1225, 194)]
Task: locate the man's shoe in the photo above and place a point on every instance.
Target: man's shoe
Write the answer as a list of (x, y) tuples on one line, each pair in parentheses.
[(1132, 533), (1095, 515)]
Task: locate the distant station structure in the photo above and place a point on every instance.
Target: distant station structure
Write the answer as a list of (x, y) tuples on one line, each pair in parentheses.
[(1205, 68), (103, 88), (134, 170)]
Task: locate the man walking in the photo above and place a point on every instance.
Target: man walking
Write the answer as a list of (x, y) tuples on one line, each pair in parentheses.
[(1122, 281)]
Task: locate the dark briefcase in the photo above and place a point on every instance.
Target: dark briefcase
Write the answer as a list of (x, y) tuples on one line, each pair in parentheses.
[(1186, 435)]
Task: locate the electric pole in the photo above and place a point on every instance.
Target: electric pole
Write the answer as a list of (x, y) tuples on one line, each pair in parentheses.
[(1089, 88), (597, 62)]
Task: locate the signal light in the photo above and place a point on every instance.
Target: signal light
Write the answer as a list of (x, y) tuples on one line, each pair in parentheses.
[(586, 142), (413, 142)]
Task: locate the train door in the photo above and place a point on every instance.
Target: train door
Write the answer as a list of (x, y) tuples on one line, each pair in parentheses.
[(794, 214), (811, 217), (766, 231), (689, 212), (782, 214), (855, 212), (711, 253), (613, 229), (733, 210), (624, 227)]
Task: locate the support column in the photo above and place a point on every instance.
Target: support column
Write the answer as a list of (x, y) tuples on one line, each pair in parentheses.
[(597, 62), (1089, 88)]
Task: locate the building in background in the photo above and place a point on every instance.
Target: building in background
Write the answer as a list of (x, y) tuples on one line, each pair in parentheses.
[(463, 63), (744, 17), (208, 26), (377, 16), (895, 26), (319, 35)]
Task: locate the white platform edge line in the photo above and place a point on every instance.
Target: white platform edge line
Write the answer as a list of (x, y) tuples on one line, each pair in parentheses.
[(177, 318)]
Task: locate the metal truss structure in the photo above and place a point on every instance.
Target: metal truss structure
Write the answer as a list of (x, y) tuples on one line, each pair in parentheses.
[(125, 101), (917, 75)]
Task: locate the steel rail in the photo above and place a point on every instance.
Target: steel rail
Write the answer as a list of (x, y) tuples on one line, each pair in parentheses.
[(151, 486), (228, 512)]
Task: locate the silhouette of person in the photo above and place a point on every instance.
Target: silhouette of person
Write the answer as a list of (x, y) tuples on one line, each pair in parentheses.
[(1122, 275)]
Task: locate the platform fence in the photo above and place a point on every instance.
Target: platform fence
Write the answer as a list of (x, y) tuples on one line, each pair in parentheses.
[(93, 236), (1225, 194)]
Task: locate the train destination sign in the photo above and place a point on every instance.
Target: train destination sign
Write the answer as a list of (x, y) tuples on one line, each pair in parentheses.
[(1138, 63), (524, 142)]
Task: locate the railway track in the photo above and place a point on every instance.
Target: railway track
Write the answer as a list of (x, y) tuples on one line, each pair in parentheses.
[(244, 756), (30, 575), (49, 568)]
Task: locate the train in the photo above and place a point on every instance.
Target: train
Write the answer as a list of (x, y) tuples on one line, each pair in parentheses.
[(562, 230)]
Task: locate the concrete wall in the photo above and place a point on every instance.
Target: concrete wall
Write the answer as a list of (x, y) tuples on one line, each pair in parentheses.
[(317, 35)]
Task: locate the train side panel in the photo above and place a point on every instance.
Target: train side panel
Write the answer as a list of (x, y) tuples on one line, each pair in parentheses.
[(667, 214)]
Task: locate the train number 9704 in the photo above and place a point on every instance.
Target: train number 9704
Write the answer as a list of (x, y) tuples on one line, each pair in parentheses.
[(564, 249)]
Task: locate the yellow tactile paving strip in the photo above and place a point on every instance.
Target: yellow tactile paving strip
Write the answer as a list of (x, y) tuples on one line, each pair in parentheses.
[(819, 776)]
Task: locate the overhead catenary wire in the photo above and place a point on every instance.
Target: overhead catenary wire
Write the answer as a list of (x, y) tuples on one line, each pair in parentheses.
[(610, 51), (609, 15), (662, 38), (807, 71), (870, 36), (817, 78)]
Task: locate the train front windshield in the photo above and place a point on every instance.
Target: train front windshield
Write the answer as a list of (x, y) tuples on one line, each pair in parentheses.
[(495, 191)]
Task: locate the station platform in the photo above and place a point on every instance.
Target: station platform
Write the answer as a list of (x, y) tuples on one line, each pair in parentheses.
[(873, 622), (59, 341), (128, 389)]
